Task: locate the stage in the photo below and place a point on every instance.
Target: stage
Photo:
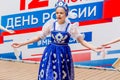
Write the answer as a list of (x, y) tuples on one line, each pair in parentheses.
[(11, 70)]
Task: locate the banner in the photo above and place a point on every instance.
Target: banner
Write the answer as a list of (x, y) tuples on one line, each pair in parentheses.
[(98, 22)]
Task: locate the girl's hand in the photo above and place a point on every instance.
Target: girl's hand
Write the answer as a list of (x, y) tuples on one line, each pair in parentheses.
[(11, 31), (98, 50), (101, 50), (16, 45)]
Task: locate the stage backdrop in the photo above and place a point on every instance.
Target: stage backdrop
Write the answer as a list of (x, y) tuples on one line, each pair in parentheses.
[(99, 22)]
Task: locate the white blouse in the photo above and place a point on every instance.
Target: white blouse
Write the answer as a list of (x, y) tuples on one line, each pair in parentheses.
[(48, 27)]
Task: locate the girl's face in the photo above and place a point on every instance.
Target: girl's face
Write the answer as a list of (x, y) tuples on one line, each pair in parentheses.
[(60, 15)]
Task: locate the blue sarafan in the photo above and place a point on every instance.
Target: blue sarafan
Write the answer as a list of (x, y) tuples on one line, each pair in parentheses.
[(57, 63)]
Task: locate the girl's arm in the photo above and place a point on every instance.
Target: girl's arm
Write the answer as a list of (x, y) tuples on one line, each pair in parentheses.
[(4, 29), (112, 42), (86, 44), (35, 39), (45, 31), (76, 35)]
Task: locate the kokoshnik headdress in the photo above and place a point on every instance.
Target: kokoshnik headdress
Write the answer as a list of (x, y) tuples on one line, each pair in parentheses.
[(62, 4)]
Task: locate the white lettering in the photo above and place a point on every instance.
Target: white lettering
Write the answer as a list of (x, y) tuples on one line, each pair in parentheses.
[(26, 20), (34, 20), (82, 12), (44, 41), (10, 23), (53, 15), (46, 16), (17, 21), (91, 11)]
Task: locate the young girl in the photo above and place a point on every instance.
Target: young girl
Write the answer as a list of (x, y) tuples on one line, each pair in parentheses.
[(56, 63)]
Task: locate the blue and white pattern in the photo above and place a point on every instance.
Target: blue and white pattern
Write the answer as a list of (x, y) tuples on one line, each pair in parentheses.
[(59, 38), (56, 63)]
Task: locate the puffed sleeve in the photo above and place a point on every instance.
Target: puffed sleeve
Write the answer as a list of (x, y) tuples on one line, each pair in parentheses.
[(46, 29), (73, 30)]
